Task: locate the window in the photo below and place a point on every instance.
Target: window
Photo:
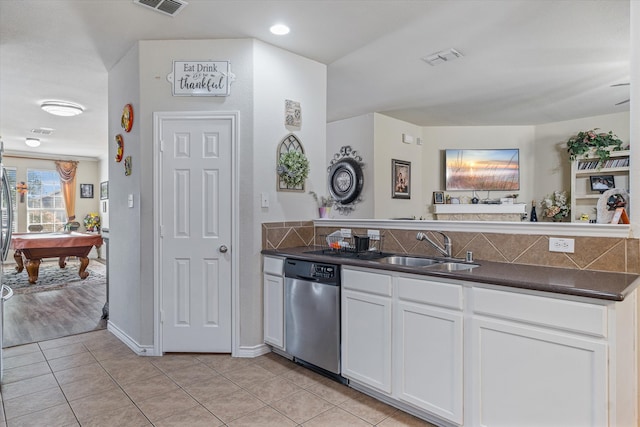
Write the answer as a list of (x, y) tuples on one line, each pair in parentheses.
[(11, 178), (45, 205)]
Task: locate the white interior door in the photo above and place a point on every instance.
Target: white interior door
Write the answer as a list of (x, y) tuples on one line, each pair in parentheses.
[(196, 234)]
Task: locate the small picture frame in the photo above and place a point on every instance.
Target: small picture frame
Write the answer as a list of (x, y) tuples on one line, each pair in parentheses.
[(104, 190), (438, 197), (400, 179), (86, 191), (601, 183)]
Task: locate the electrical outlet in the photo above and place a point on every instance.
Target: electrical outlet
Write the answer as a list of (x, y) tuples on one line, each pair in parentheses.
[(373, 234), (557, 244)]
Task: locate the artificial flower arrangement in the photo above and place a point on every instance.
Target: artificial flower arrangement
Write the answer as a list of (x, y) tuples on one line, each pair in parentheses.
[(323, 202), (293, 168), (92, 221), (602, 142), (555, 206)]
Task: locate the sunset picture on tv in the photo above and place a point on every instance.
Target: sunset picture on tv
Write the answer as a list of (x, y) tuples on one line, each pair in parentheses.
[(490, 170)]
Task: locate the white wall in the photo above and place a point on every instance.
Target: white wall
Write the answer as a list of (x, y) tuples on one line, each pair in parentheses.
[(265, 77), (87, 173), (544, 162), (388, 145), (126, 309), (278, 75), (358, 133)]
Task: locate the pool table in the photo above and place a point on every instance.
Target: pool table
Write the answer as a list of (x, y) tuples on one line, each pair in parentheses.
[(35, 246)]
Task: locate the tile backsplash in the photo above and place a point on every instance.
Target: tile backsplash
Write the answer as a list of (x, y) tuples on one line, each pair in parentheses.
[(591, 253)]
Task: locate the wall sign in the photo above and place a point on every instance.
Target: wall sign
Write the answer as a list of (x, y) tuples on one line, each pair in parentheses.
[(201, 78)]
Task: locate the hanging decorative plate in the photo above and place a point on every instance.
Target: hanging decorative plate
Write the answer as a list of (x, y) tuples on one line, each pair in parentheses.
[(127, 166), (120, 142), (127, 118)]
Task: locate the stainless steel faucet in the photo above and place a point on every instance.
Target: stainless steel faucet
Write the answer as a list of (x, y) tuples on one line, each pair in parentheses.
[(446, 250)]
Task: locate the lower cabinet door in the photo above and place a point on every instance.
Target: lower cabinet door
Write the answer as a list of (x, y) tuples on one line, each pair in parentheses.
[(528, 376), (366, 339), (429, 363), (274, 310)]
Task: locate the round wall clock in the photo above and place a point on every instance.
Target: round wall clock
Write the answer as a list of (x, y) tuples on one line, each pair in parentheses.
[(127, 118), (345, 180), (120, 152)]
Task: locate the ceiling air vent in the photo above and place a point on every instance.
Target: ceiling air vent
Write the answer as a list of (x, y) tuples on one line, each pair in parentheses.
[(42, 131), (168, 7)]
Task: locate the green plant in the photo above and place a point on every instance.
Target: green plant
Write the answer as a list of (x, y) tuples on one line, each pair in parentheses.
[(293, 168), (323, 202), (602, 142)]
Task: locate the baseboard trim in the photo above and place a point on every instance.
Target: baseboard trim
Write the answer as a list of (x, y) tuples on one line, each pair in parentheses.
[(254, 351), (140, 350)]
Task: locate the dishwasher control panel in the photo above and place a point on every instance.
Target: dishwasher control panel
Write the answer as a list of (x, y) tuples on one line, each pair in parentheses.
[(321, 272)]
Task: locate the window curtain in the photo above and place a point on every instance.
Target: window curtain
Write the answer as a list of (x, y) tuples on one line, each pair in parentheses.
[(67, 172)]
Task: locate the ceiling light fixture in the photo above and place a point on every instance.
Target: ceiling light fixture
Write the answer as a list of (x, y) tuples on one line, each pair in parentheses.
[(32, 142), (279, 29), (62, 108)]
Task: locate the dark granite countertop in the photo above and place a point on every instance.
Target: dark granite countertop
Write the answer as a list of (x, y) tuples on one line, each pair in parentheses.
[(583, 283)]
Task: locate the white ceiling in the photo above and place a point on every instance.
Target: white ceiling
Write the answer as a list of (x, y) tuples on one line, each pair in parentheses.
[(525, 62)]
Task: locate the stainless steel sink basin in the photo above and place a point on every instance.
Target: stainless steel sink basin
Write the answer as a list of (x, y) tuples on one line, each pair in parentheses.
[(452, 266), (409, 261)]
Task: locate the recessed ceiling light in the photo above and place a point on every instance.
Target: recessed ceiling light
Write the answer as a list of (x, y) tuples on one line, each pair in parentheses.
[(62, 108), (279, 29), (32, 142)]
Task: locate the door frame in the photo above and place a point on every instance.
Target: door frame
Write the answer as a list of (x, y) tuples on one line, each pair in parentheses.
[(158, 118)]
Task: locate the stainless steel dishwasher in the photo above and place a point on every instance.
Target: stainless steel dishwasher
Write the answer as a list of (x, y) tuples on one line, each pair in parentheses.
[(312, 313)]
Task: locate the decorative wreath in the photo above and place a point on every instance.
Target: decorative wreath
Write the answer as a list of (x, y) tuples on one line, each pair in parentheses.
[(293, 168)]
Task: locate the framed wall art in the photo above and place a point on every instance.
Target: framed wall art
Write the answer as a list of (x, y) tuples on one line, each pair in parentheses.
[(400, 179), (438, 197), (104, 190), (86, 191)]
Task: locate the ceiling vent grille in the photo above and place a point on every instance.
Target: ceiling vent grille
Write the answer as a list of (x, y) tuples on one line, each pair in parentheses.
[(42, 131), (167, 7), (442, 57)]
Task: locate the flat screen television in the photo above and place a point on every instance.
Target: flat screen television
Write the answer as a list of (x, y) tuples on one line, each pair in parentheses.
[(478, 169)]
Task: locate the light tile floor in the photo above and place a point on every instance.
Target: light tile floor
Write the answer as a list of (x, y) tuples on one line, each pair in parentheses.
[(93, 379)]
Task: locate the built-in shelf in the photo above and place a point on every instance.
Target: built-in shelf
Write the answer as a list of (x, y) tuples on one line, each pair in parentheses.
[(480, 212), (584, 201)]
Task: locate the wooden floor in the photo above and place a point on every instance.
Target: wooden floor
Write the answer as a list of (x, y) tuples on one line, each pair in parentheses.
[(47, 315)]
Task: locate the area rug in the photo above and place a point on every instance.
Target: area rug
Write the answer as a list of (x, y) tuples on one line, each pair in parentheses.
[(52, 277)]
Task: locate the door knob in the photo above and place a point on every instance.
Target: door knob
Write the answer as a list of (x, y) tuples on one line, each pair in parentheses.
[(223, 249)]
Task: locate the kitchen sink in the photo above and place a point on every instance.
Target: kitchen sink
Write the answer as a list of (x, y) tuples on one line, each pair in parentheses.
[(452, 266), (409, 261)]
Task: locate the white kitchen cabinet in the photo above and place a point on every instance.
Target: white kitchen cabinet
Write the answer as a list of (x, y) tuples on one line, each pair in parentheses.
[(366, 328), (428, 343), (530, 352), (273, 287)]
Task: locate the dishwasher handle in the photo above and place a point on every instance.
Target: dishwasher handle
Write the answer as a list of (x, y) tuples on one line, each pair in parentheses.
[(306, 278)]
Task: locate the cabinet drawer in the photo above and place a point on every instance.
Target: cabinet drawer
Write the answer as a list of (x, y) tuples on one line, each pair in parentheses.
[(430, 292), (572, 316), (364, 281), (273, 266)]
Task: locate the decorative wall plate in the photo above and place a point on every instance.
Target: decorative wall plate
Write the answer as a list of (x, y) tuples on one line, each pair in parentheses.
[(127, 166), (345, 180), (127, 118), (120, 152)]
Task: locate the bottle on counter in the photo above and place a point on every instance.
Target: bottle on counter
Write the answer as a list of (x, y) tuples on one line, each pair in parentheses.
[(534, 216)]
